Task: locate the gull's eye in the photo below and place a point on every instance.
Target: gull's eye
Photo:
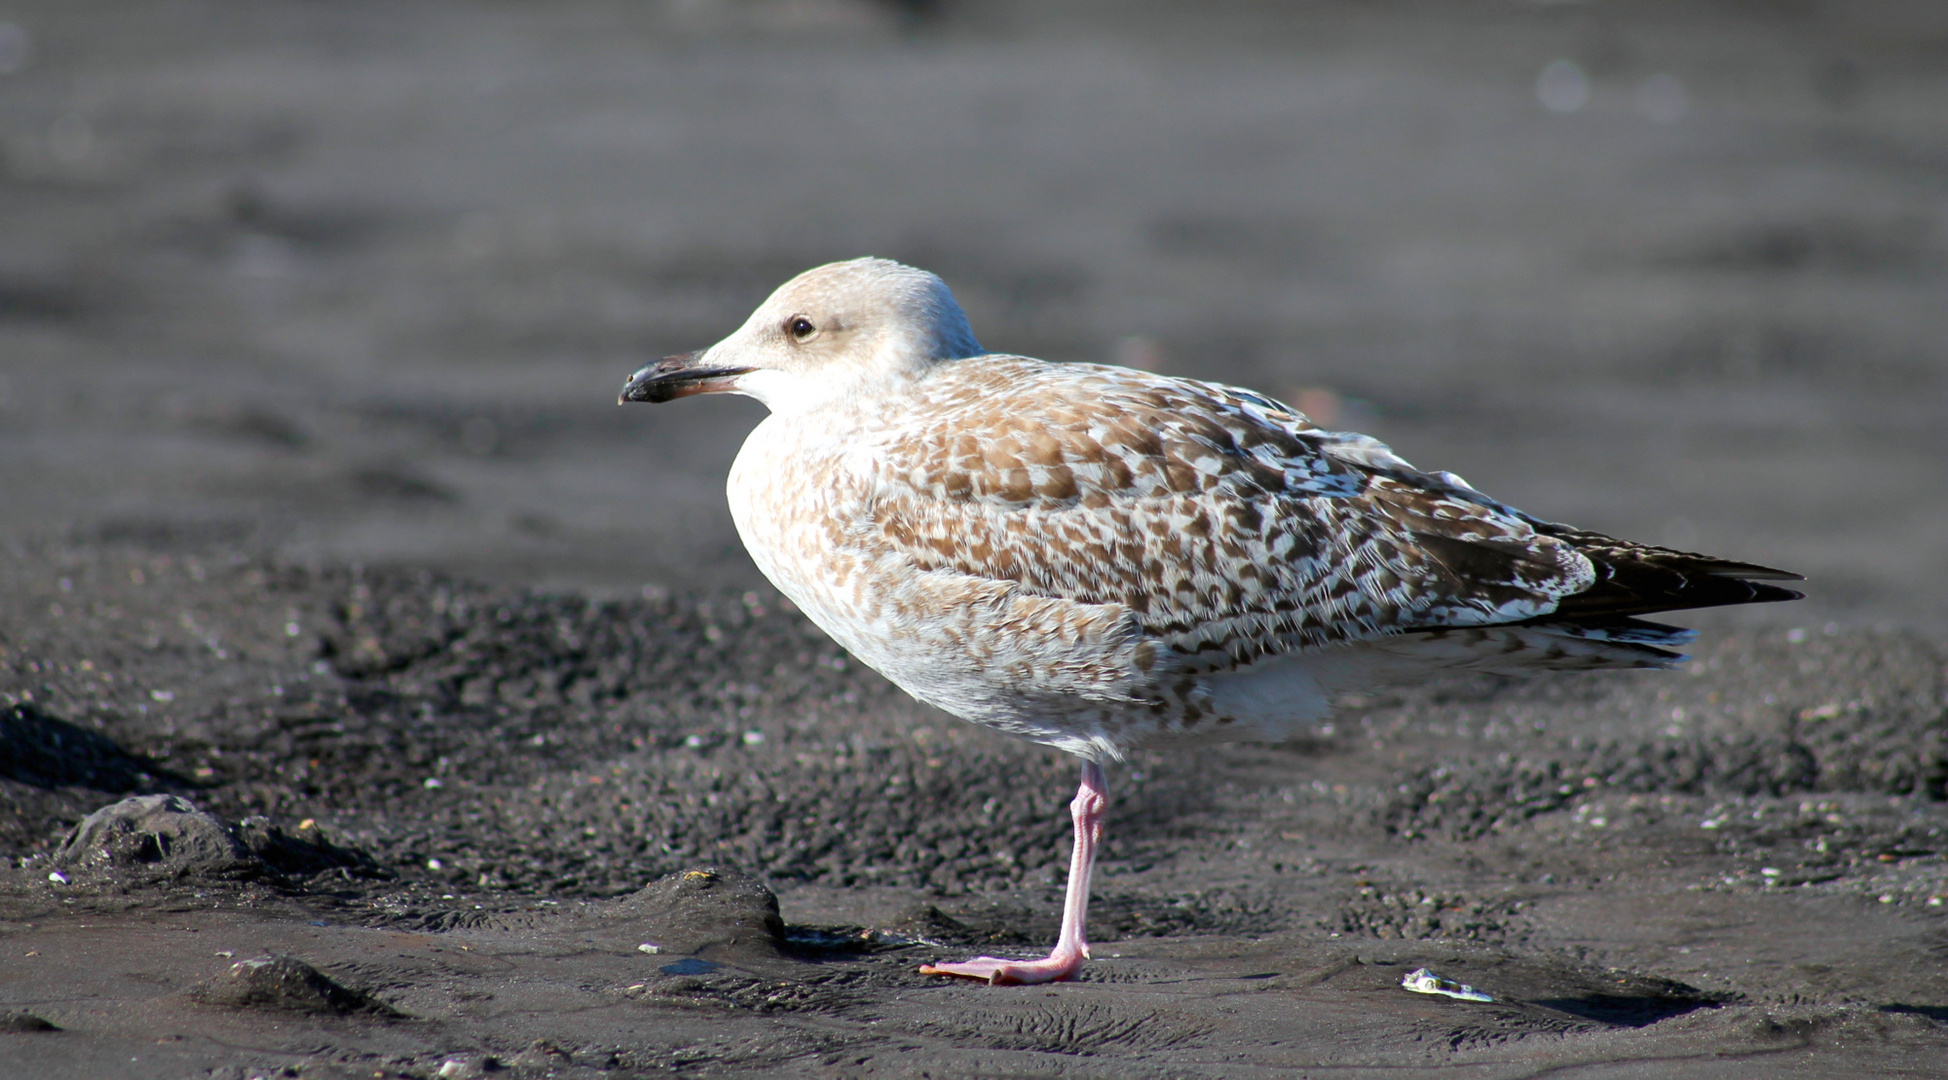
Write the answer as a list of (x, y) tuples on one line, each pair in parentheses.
[(800, 328)]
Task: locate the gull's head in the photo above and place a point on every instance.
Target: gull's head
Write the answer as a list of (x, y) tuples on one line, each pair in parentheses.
[(845, 330)]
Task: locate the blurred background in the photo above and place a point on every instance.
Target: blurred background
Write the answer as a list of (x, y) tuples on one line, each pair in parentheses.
[(358, 282)]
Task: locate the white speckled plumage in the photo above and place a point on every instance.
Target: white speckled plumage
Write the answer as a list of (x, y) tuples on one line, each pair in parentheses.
[(1099, 558)]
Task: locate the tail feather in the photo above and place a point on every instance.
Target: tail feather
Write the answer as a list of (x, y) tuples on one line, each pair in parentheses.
[(1638, 579)]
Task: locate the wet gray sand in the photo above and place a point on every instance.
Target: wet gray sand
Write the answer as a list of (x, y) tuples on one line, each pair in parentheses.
[(471, 809), (446, 688)]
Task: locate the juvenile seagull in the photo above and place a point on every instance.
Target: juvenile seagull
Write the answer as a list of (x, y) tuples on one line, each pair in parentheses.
[(1101, 559)]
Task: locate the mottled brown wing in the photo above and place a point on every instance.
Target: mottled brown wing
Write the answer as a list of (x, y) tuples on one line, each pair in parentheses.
[(1227, 524)]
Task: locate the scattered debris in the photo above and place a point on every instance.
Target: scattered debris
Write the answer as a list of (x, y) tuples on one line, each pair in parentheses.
[(1423, 981)]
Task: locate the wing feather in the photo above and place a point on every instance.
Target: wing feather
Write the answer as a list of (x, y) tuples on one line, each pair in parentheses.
[(1227, 524)]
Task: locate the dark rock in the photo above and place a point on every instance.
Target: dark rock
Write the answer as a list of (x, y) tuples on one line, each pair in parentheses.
[(22, 1022), (167, 837), (284, 983), (712, 911), (163, 836), (304, 853), (542, 1054)]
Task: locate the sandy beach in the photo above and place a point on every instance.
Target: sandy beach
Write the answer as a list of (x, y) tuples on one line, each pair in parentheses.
[(468, 742)]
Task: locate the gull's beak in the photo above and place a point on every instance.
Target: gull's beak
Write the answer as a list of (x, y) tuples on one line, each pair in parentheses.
[(677, 376)]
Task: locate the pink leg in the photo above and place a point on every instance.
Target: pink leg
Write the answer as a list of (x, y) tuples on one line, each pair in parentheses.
[(1071, 949)]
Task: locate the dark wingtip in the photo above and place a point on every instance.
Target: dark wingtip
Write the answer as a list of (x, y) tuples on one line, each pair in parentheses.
[(1756, 578), (1753, 572), (1773, 594), (1636, 579)]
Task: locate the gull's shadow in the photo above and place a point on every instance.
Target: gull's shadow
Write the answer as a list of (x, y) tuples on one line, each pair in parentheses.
[(1937, 1013), (1628, 1010), (49, 752)]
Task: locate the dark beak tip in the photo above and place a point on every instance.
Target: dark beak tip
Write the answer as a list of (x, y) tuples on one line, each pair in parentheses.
[(641, 386), (640, 391), (675, 377)]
